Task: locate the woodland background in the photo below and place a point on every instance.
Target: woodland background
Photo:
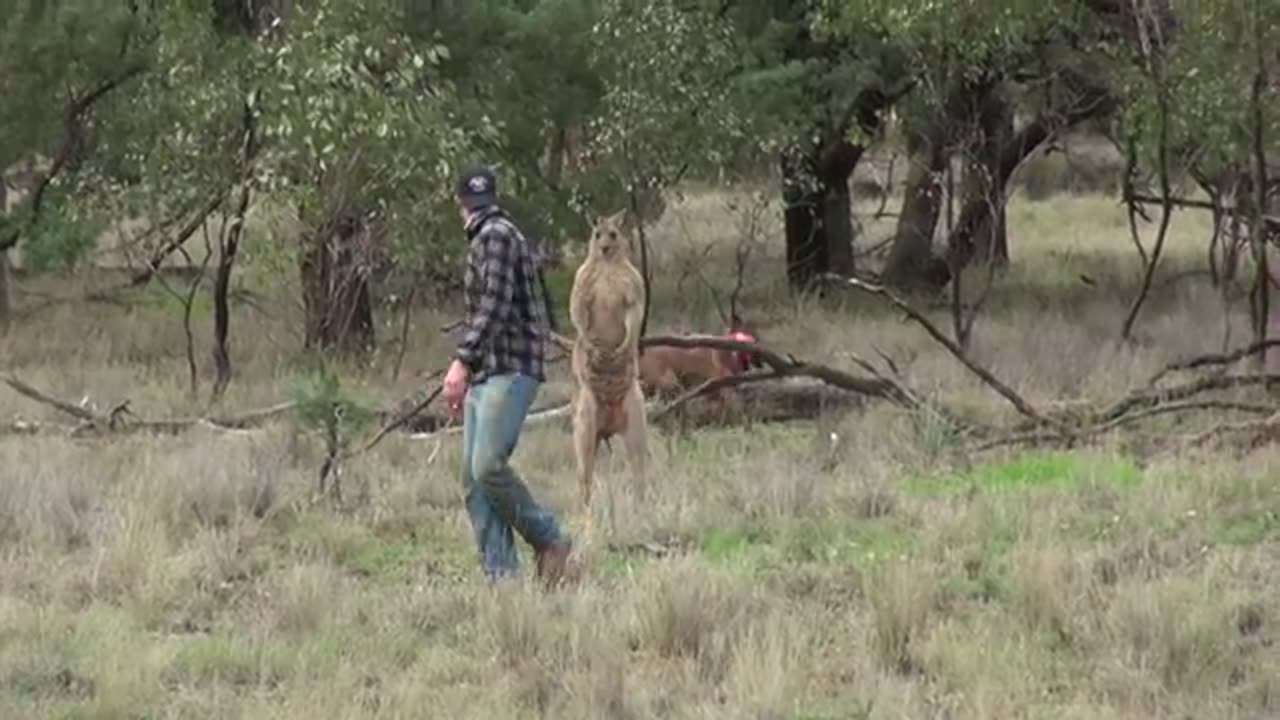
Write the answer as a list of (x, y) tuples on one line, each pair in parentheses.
[(1022, 252)]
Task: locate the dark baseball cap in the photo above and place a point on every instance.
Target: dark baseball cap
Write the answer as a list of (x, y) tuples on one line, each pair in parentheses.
[(478, 187)]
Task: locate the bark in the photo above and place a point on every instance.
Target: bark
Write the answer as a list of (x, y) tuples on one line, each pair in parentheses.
[(962, 242), (337, 299), (222, 311), (837, 223), (983, 181), (1260, 295), (818, 206), (237, 17), (975, 119), (6, 297), (6, 301), (818, 214), (805, 243), (229, 245), (909, 262), (556, 149)]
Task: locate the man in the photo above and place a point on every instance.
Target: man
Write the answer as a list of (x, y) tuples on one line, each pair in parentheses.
[(498, 368)]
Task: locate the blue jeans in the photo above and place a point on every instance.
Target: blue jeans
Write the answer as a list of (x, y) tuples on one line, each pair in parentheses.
[(498, 502)]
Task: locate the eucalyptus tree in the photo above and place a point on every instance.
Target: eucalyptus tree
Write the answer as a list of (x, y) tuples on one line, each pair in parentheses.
[(59, 61)]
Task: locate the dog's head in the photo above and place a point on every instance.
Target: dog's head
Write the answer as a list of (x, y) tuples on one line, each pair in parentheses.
[(743, 360)]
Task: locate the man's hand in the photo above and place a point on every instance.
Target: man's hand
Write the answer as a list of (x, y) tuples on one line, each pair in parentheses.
[(455, 385)]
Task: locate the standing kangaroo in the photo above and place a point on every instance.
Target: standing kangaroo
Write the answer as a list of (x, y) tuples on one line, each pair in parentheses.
[(606, 307)]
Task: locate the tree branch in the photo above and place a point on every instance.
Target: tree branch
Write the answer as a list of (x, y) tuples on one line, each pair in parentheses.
[(1148, 398), (1270, 223), (1200, 361), (74, 124), (982, 373)]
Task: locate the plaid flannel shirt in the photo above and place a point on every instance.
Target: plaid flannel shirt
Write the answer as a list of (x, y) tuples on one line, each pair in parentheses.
[(506, 328)]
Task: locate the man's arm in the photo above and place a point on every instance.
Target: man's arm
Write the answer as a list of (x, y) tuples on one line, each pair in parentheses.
[(496, 263)]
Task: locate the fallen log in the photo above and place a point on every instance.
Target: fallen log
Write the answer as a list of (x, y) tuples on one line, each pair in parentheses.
[(759, 403)]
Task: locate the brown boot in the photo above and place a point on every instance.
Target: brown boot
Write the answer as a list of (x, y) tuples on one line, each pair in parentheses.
[(552, 561)]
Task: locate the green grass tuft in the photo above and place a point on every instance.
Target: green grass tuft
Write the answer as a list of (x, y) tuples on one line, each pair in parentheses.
[(1036, 470)]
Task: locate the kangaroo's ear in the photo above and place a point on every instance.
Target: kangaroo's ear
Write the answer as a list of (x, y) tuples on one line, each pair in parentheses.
[(620, 219)]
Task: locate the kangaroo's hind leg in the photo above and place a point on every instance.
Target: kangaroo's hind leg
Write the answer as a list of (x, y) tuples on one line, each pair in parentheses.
[(585, 441), (636, 439)]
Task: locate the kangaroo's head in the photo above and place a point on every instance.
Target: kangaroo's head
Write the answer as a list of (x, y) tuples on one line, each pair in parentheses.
[(610, 236)]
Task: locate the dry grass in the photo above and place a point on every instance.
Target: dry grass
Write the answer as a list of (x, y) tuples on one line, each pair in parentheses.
[(188, 577)]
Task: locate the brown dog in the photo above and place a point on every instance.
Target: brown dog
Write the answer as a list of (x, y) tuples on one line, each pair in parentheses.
[(668, 370)]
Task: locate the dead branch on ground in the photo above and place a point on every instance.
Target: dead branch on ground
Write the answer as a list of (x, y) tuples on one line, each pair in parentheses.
[(121, 417), (1260, 430), (398, 421), (1146, 398), (1070, 428), (982, 373), (1214, 359)]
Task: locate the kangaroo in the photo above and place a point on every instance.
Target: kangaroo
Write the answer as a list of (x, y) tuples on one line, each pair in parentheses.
[(606, 307)]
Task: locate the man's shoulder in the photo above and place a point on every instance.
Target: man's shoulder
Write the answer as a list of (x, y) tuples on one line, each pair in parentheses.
[(496, 219), (501, 234), (499, 230)]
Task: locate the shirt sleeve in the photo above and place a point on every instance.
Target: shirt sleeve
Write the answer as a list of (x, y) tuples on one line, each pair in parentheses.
[(494, 257)]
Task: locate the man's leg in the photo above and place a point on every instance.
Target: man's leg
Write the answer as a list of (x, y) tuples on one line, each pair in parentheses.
[(500, 413), (494, 538)]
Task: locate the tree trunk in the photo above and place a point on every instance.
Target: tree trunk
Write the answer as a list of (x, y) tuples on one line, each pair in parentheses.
[(984, 182), (6, 302), (6, 297), (222, 309), (237, 17), (911, 264), (335, 288), (805, 241), (556, 148), (961, 243), (837, 222), (228, 246), (817, 215)]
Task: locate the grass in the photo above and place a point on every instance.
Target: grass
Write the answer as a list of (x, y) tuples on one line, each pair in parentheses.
[(882, 577), (1029, 471)]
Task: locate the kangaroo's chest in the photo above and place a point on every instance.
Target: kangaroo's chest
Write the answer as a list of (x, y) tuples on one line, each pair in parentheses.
[(608, 304)]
